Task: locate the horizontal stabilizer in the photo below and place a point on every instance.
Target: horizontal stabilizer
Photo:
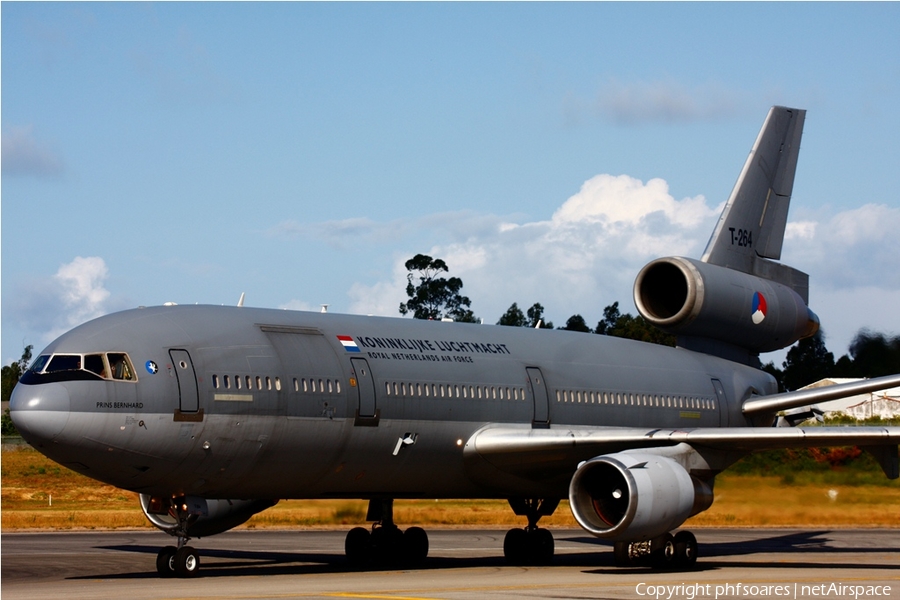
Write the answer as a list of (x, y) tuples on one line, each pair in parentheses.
[(776, 402)]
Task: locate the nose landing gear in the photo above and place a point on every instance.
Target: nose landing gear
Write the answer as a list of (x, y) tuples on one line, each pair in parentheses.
[(183, 561)]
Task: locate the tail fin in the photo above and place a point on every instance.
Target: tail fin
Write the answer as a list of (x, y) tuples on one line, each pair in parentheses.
[(751, 228)]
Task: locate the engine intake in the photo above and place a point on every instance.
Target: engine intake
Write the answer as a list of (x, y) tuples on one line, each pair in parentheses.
[(688, 297), (634, 497)]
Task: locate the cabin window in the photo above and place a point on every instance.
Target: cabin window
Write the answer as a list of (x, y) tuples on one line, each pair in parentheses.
[(215, 381)]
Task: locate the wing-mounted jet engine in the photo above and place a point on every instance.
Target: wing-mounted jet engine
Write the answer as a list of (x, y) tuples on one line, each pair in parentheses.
[(635, 499)]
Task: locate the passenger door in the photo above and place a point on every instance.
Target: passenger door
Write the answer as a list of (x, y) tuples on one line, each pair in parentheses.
[(188, 396), (367, 411), (541, 397)]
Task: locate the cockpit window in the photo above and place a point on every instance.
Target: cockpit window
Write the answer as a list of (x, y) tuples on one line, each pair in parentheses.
[(38, 365), (64, 362), (95, 364), (109, 365), (120, 366)]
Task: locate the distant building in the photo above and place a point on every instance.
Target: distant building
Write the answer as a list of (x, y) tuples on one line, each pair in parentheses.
[(884, 404)]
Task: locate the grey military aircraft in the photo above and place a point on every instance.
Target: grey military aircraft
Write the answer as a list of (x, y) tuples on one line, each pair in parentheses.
[(212, 414)]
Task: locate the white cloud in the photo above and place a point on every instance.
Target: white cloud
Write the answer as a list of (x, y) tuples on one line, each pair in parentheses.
[(581, 259), (857, 248), (52, 305), (24, 155), (299, 305)]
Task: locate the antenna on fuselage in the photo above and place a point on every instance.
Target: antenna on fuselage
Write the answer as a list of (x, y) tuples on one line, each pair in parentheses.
[(324, 308), (241, 301)]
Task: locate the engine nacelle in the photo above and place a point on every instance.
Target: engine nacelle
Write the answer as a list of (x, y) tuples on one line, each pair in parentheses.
[(692, 298), (634, 497), (203, 516)]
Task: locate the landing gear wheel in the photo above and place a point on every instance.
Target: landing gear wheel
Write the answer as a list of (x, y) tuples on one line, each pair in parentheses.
[(662, 553), (542, 546), (415, 545), (515, 546), (187, 562), (685, 549), (622, 554), (528, 547), (358, 546), (165, 561)]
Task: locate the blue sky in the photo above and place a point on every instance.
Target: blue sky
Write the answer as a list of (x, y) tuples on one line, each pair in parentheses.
[(300, 153)]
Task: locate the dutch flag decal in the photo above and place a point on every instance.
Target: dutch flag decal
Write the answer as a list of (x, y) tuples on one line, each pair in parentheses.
[(759, 310), (348, 343)]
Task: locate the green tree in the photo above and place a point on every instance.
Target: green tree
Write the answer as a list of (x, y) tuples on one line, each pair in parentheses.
[(775, 372), (536, 317), (10, 377), (576, 323), (616, 324), (611, 316), (513, 317), (533, 318), (431, 296), (871, 355), (807, 362)]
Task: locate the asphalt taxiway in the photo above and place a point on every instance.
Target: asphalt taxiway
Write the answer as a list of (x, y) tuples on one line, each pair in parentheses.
[(463, 564)]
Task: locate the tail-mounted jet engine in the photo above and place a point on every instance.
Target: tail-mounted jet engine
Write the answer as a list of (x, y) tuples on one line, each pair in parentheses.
[(190, 516), (634, 497), (695, 299)]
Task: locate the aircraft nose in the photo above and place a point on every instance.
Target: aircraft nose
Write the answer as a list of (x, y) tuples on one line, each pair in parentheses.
[(39, 412)]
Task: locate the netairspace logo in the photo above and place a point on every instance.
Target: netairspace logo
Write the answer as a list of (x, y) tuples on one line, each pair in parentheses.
[(793, 591)]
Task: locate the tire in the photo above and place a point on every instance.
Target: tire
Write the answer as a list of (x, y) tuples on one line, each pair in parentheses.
[(685, 549), (187, 562), (415, 545), (663, 556), (515, 546), (541, 546), (622, 554), (358, 546), (165, 561)]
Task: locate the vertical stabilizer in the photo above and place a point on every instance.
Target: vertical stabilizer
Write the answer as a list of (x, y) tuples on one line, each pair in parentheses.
[(752, 225)]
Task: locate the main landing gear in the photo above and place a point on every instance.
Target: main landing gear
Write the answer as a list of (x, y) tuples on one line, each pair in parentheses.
[(532, 545), (386, 543), (666, 552)]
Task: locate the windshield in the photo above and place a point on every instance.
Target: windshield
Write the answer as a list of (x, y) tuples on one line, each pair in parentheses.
[(114, 366)]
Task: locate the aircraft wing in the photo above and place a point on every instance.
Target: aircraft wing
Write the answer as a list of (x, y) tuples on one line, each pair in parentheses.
[(776, 402), (526, 451)]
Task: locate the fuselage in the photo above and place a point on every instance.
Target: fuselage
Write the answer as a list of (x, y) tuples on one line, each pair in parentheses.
[(227, 402)]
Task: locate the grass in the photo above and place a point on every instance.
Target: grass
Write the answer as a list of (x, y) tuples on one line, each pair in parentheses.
[(40, 494)]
